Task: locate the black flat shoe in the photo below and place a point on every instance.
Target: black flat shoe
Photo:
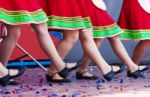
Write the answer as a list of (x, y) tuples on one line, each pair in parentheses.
[(135, 74), (8, 83), (121, 66), (6, 79), (50, 79), (76, 66), (109, 76), (144, 69), (13, 83), (65, 72), (21, 70), (80, 76)]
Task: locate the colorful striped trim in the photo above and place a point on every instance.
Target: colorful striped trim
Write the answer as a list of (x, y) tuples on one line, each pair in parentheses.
[(22, 16), (106, 31), (68, 22), (140, 34)]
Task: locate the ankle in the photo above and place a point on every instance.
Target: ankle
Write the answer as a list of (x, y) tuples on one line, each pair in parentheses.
[(133, 69), (80, 70), (56, 76), (50, 72), (106, 70), (3, 73)]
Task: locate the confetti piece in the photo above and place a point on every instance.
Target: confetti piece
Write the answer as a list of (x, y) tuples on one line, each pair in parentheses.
[(21, 87), (41, 80), (110, 86), (50, 84), (121, 88), (97, 87), (64, 95), (55, 94), (103, 81), (74, 94), (44, 89), (116, 87), (37, 92), (121, 81), (5, 91), (5, 96), (13, 92), (91, 69), (98, 81)]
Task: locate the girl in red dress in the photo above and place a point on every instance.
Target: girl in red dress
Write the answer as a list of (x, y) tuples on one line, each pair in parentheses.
[(105, 27), (135, 21), (13, 13), (72, 18)]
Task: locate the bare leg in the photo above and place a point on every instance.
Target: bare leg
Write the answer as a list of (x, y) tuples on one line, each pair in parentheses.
[(86, 60), (48, 47), (6, 48), (70, 37), (121, 52), (8, 43), (92, 51), (140, 50)]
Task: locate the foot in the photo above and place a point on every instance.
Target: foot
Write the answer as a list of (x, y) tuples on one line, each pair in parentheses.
[(12, 82), (85, 75), (55, 78), (117, 68), (113, 68), (5, 79), (67, 69), (112, 72), (71, 66), (136, 74), (12, 72), (143, 67)]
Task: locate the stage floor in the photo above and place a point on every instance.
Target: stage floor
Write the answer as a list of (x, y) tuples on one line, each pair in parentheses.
[(33, 84)]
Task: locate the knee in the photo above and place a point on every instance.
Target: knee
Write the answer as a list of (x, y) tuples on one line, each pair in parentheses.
[(86, 37), (114, 38), (99, 41), (40, 29), (14, 36), (72, 37), (13, 33)]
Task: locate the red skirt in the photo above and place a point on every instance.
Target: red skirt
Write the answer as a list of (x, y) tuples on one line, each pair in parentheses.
[(134, 20), (66, 14), (21, 12), (103, 24)]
